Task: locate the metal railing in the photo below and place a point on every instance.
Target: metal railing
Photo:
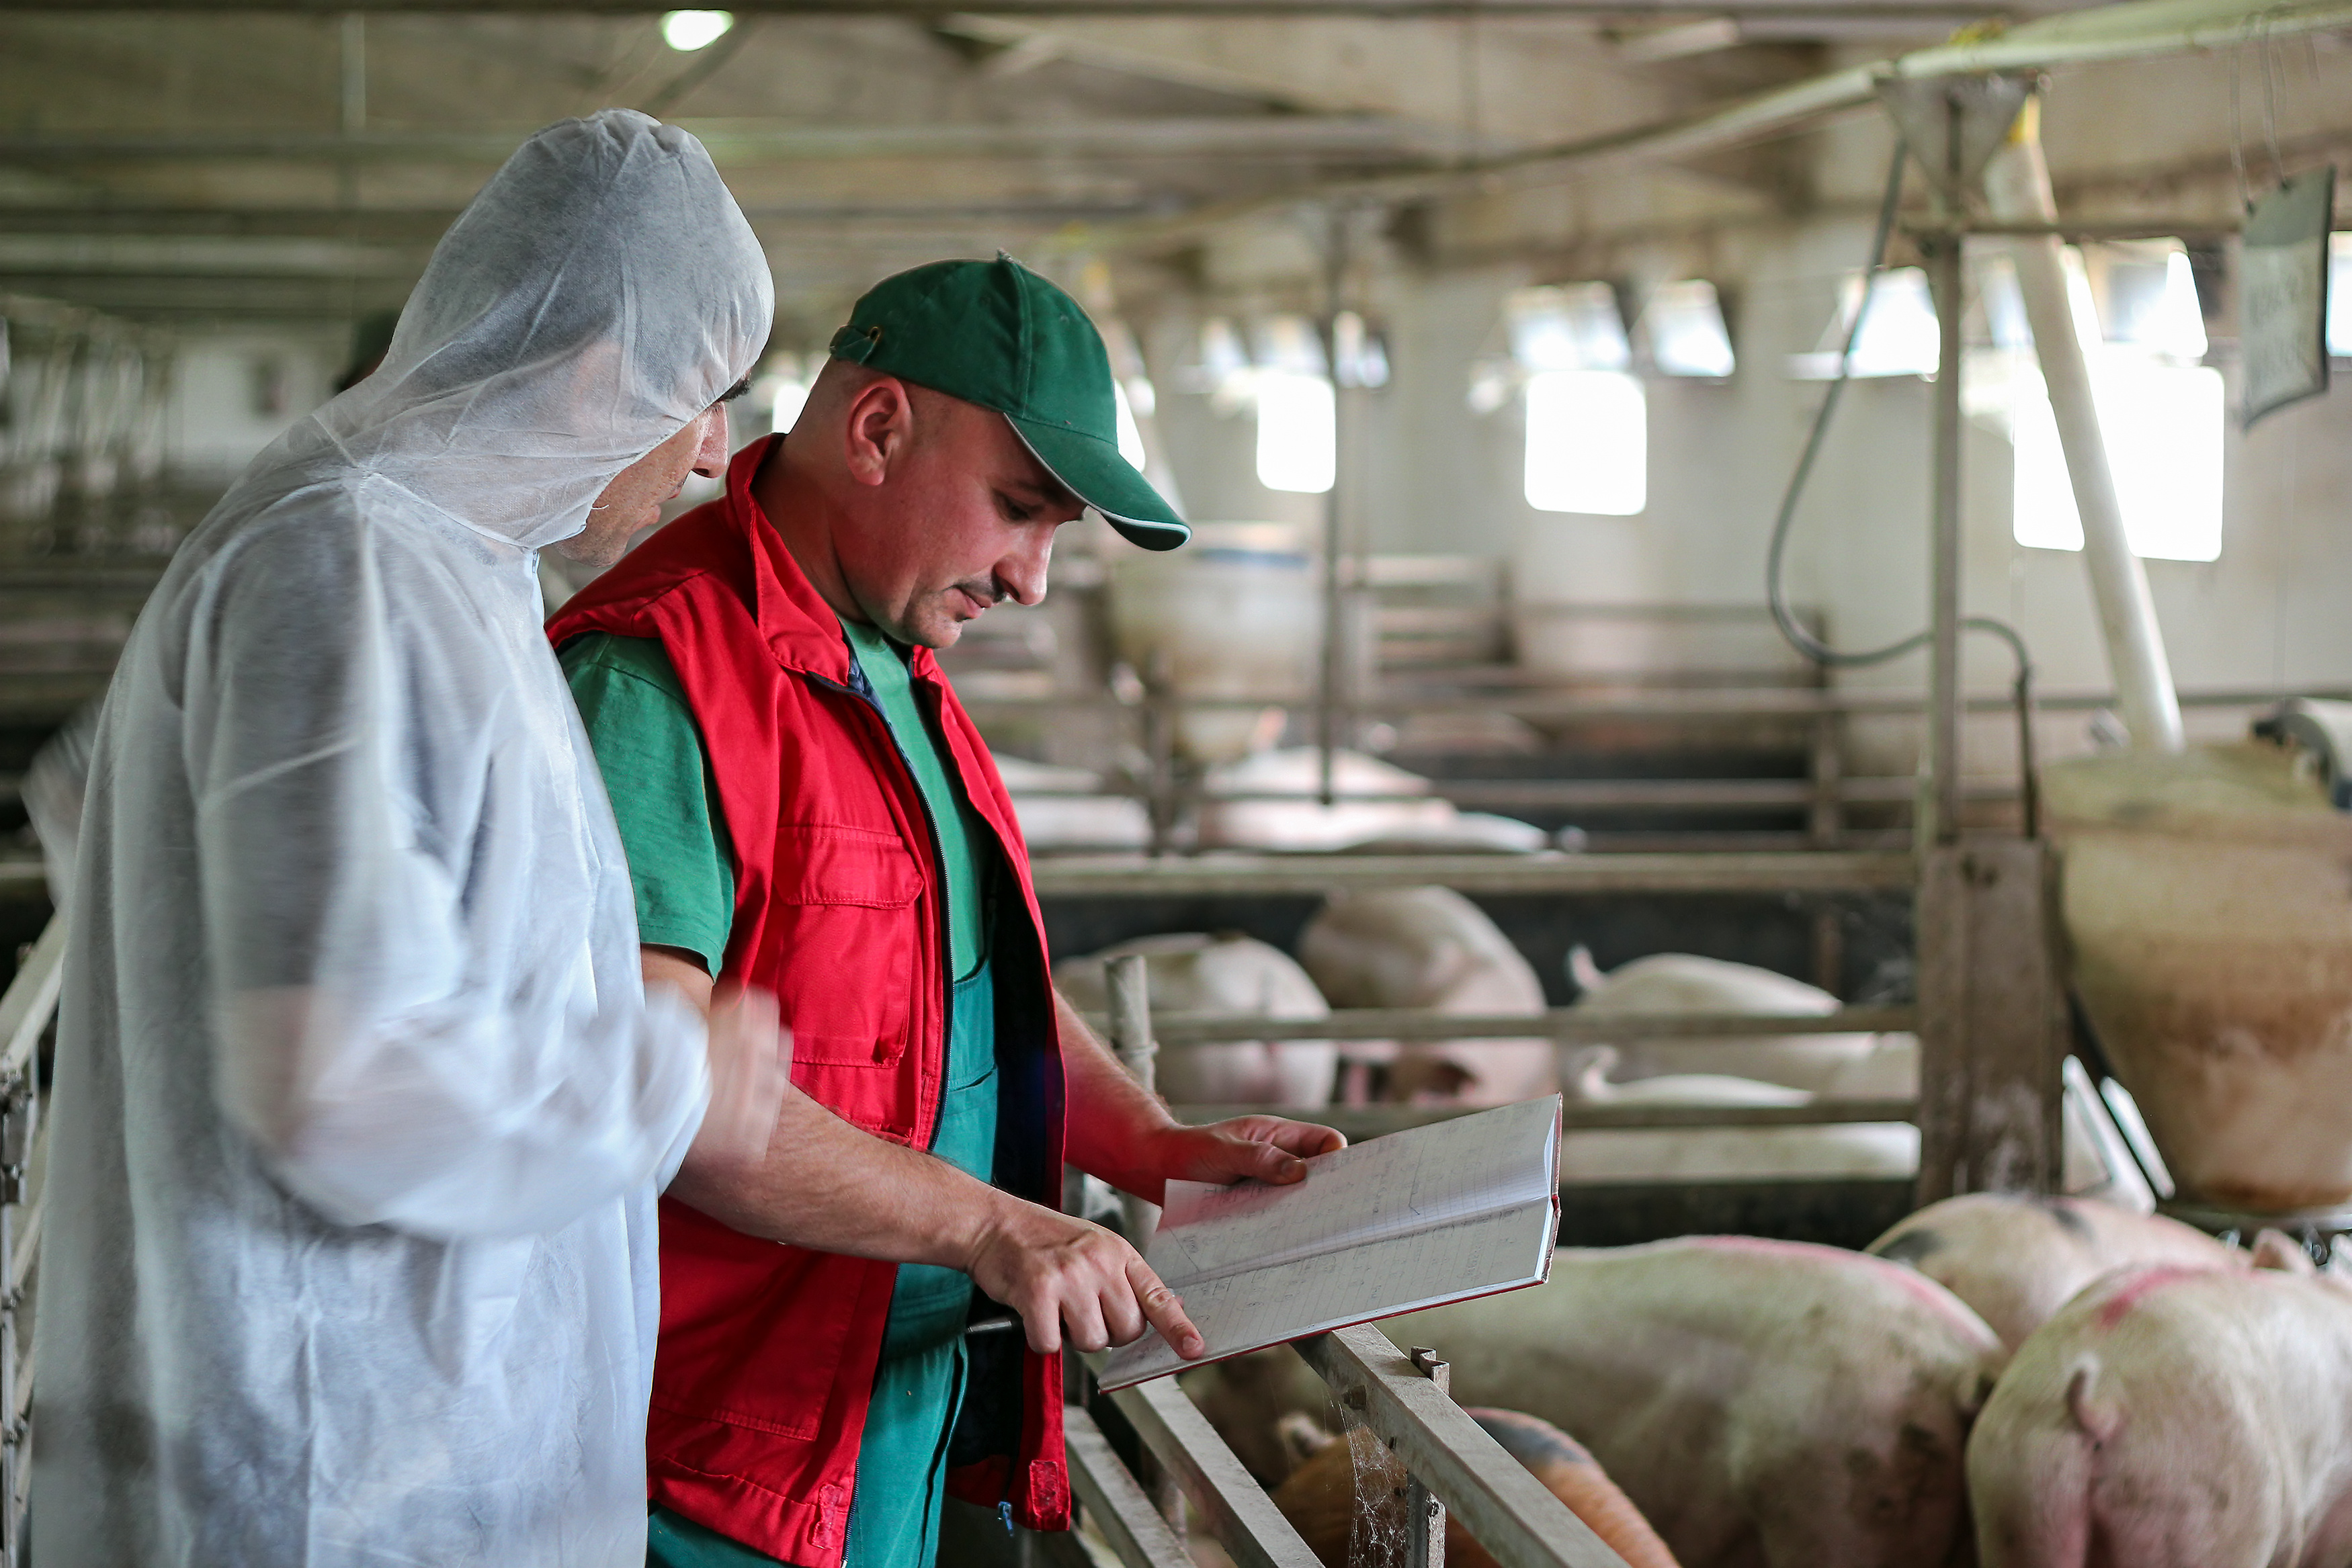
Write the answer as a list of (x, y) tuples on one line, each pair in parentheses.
[(25, 1013), (1452, 1461)]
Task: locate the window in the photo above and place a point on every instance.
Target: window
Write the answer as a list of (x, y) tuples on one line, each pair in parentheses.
[(1684, 324), (2162, 425), (1130, 435), (1588, 443), (2162, 414), (1566, 326), (2339, 295), (1899, 336), (1298, 432)]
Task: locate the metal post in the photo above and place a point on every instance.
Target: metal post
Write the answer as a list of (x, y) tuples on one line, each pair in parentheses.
[(1130, 1039), (1825, 825), (1328, 719), (1941, 821), (354, 73)]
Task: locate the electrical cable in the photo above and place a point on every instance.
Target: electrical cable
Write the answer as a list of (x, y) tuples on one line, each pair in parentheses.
[(1775, 589)]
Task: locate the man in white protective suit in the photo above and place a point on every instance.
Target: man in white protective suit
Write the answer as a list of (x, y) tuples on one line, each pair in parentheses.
[(361, 1106)]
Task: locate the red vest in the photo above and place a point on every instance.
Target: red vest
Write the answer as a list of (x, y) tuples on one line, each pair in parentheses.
[(768, 1354)]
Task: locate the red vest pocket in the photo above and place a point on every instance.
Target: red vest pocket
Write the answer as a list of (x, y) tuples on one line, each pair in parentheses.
[(841, 924), (752, 1334)]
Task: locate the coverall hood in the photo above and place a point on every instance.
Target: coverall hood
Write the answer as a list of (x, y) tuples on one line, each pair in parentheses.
[(600, 291)]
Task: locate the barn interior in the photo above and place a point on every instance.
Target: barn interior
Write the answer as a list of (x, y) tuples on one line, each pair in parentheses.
[(1763, 565)]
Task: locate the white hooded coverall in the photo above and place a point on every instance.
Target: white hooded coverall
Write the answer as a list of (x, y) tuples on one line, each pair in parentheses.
[(359, 1107)]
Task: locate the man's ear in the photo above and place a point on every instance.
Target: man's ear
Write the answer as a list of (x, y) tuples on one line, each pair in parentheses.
[(879, 426)]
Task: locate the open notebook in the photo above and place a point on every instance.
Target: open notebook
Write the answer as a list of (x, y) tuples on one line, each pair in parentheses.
[(1442, 1213)]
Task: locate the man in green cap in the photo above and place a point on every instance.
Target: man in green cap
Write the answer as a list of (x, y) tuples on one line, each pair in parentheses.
[(807, 809)]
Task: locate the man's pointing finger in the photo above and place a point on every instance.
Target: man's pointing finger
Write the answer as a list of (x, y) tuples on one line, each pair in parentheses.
[(1165, 1311)]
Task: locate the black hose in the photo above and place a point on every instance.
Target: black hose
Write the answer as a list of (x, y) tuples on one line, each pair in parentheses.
[(1775, 591)]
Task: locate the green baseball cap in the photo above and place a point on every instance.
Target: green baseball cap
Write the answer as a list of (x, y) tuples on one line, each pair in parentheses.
[(996, 334)]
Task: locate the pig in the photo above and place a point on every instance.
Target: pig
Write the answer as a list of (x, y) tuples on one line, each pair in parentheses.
[(1763, 1403), (1847, 1151), (1685, 983), (1586, 1080), (2017, 1258), (1226, 976), (2175, 1417), (1430, 947), (1592, 1155), (1355, 1490)]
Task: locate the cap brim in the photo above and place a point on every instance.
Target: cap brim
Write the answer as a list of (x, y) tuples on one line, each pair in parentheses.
[(1095, 473)]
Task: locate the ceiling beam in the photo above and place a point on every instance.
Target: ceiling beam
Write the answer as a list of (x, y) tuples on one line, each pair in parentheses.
[(424, 225), (928, 9), (738, 144), (2128, 30)]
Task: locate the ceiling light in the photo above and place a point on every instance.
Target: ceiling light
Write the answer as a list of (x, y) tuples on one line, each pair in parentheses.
[(687, 31)]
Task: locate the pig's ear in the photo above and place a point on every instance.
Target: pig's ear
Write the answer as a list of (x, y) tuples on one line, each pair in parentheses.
[(2096, 1417), (1302, 1438), (1586, 1073), (1976, 1387), (1583, 970), (2273, 1249)]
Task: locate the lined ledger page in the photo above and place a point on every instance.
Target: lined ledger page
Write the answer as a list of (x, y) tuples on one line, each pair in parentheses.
[(1442, 1213)]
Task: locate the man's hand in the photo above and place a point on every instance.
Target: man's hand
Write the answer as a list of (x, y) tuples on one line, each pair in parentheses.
[(1070, 1279), (751, 1067), (1271, 1149)]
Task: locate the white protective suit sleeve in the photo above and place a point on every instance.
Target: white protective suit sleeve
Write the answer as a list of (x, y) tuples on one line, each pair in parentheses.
[(422, 960)]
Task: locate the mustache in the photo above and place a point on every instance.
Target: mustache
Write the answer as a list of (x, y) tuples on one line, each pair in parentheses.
[(984, 589)]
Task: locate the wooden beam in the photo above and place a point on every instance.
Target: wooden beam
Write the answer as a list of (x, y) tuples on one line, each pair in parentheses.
[(1993, 1024), (1506, 1509), (1360, 1122), (1232, 1506), (1569, 1026), (1115, 1500)]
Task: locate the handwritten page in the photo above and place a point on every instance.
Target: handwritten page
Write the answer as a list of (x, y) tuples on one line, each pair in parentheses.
[(1439, 1214)]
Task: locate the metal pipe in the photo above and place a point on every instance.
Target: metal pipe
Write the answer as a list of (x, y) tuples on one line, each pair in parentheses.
[(2017, 187)]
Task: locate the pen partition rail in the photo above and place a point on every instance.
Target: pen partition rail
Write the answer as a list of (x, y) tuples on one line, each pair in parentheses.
[(1563, 1026), (1404, 1400), (27, 1010)]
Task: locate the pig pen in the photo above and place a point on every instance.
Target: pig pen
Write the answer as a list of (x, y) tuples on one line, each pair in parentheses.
[(1762, 908)]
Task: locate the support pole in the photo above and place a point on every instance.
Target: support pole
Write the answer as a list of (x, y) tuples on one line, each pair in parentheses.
[(1940, 822), (1329, 721), (1130, 1040), (2017, 191)]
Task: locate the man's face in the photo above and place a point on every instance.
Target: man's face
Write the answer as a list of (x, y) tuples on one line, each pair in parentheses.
[(633, 501), (964, 516)]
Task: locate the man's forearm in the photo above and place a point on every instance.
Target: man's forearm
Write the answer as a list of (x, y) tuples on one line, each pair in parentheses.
[(1113, 1124), (826, 1186)]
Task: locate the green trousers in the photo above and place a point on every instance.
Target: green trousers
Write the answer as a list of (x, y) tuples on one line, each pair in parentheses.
[(894, 1513)]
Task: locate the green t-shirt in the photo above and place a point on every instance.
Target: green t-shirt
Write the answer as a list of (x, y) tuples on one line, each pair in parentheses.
[(663, 794), (666, 802), (884, 665)]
